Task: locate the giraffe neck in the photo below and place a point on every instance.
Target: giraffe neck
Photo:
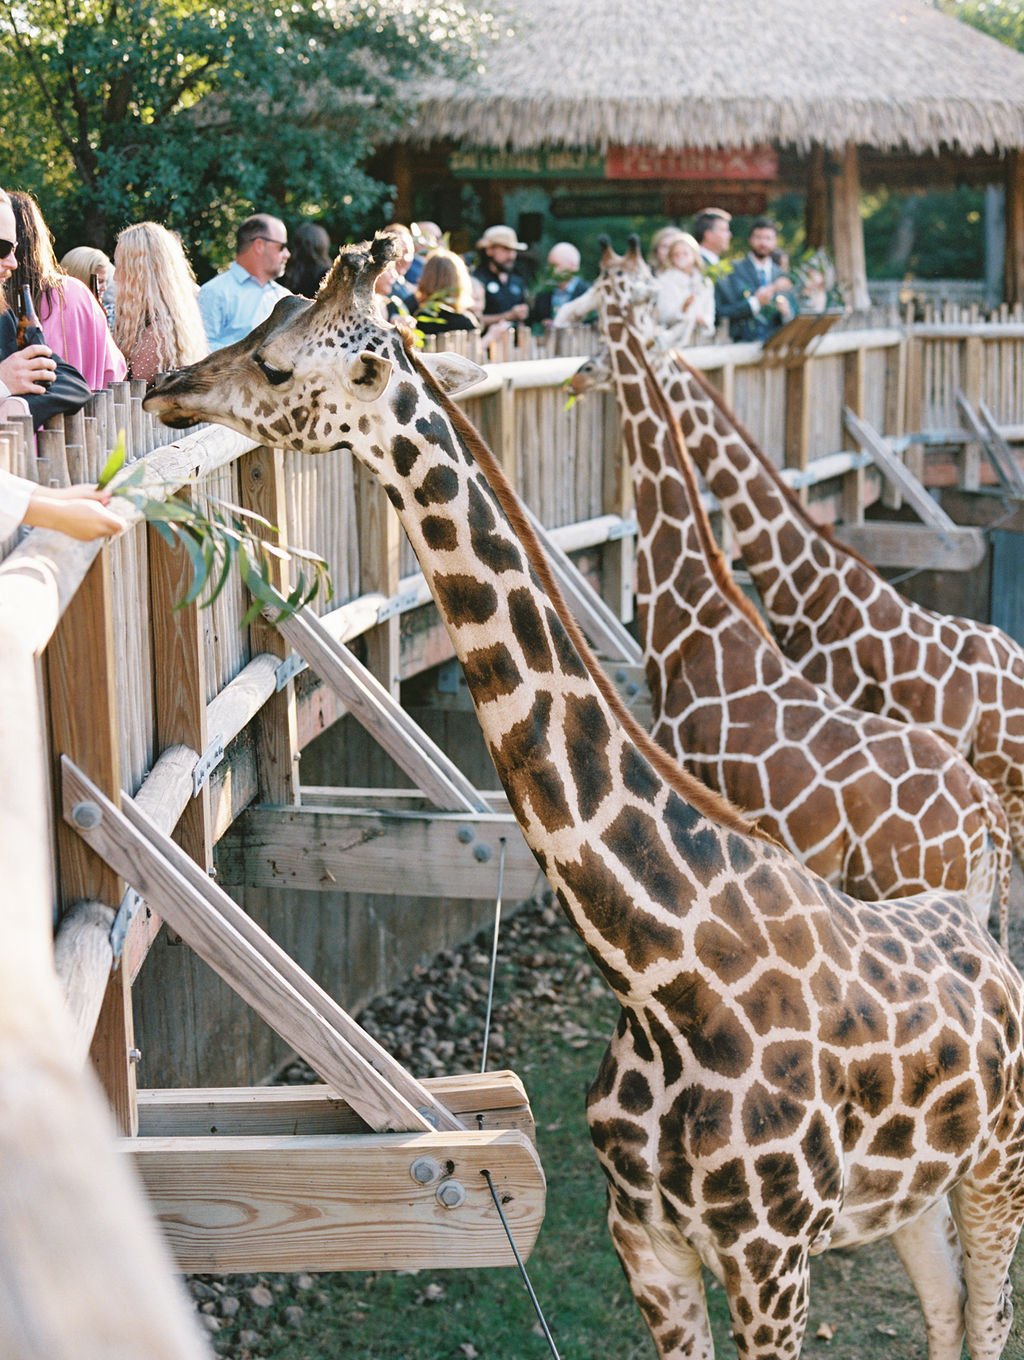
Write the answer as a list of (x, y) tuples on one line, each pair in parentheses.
[(800, 574), (684, 587), (626, 838)]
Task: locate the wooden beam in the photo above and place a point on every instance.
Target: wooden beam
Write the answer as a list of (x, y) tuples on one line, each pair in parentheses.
[(816, 200), (893, 470), (452, 855), (383, 717), (261, 488), (848, 229), (380, 536), (999, 454), (894, 544), (343, 1202), (1013, 285), (84, 960), (250, 962), (489, 1100)]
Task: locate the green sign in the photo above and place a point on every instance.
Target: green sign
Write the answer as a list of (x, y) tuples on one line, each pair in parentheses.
[(543, 163)]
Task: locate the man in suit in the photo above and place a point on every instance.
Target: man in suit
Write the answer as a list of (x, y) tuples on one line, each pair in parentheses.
[(755, 297), (712, 233)]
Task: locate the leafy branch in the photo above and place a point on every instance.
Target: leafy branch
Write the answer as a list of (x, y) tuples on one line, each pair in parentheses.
[(225, 536)]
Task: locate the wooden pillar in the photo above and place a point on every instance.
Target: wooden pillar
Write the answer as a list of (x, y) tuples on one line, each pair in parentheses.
[(261, 488), (83, 708), (401, 174), (1014, 270), (854, 376), (848, 229), (798, 418), (816, 202), (379, 539)]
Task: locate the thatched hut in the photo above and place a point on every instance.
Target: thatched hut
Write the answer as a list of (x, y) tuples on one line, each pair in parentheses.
[(729, 101)]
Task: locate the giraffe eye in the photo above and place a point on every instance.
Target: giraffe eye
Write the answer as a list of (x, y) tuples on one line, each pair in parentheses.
[(274, 376)]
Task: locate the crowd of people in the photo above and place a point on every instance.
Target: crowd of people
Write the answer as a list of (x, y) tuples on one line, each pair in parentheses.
[(144, 312)]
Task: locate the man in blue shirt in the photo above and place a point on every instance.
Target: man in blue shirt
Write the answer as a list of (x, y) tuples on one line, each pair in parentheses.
[(237, 300)]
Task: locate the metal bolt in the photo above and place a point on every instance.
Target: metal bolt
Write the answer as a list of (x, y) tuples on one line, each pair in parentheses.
[(632, 688), (465, 834), (86, 815), (620, 677), (451, 1194), (482, 853), (425, 1171), (134, 1054), (212, 871)]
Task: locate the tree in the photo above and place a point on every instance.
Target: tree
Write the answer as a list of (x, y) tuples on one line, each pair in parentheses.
[(1002, 19), (195, 115)]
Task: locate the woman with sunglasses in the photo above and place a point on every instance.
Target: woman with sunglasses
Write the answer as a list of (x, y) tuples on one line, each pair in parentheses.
[(73, 321), (23, 372)]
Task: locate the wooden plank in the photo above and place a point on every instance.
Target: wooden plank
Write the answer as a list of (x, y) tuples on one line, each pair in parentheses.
[(892, 544), (337, 850), (798, 416), (893, 470), (380, 536), (341, 1202), (999, 454), (489, 1100), (84, 725), (376, 710), (253, 965), (261, 488)]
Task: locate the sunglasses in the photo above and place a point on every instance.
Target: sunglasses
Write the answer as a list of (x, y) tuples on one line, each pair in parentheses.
[(281, 245), (7, 248)]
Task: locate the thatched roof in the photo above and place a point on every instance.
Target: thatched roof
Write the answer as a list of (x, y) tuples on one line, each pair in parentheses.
[(714, 73)]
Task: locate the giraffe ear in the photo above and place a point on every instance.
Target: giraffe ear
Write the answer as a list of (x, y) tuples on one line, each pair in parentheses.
[(452, 372), (369, 374)]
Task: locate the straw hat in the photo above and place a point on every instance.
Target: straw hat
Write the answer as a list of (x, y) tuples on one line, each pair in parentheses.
[(500, 236)]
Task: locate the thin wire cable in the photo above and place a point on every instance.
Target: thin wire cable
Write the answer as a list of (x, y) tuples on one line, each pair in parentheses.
[(494, 953), (522, 1268)]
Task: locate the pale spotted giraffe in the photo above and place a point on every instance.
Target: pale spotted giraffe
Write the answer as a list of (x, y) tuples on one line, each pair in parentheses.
[(874, 806), (846, 628), (793, 1069)]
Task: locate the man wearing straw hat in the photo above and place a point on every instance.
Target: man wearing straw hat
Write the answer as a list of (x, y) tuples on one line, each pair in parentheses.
[(504, 289)]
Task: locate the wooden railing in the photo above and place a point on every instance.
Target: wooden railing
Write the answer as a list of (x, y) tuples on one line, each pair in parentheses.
[(195, 717)]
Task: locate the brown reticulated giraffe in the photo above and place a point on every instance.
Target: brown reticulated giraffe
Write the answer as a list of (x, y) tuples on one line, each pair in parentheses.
[(847, 628), (793, 1069), (874, 806)]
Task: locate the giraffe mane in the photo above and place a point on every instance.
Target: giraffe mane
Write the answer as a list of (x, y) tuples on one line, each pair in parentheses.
[(796, 505), (706, 801), (677, 451)]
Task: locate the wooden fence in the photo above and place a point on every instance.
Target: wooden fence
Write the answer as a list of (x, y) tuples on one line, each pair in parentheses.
[(188, 719)]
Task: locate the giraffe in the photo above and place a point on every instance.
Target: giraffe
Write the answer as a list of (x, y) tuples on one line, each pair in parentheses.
[(846, 628), (873, 806), (792, 1069)]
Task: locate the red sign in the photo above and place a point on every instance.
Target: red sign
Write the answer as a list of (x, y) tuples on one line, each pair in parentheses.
[(641, 162)]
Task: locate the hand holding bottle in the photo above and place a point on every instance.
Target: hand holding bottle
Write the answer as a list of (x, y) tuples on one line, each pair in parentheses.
[(28, 370)]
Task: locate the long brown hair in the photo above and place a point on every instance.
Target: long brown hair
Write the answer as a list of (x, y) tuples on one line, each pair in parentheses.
[(37, 263)]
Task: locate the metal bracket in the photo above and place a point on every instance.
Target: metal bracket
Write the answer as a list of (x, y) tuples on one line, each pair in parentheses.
[(398, 604), (291, 666), (126, 913), (206, 764), (626, 528)]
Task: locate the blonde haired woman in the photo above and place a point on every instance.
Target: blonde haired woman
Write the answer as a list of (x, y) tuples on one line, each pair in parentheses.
[(157, 324), (686, 299), (444, 295)]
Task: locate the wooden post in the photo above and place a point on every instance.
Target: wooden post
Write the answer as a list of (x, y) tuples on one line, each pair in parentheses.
[(973, 364), (617, 499), (401, 177), (854, 372), (816, 202), (379, 539), (848, 230), (83, 709), (179, 680), (798, 416), (1013, 285), (261, 488)]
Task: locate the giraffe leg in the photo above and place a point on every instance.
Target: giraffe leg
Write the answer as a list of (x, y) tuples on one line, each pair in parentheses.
[(670, 1296), (769, 1314), (989, 1215), (930, 1252)]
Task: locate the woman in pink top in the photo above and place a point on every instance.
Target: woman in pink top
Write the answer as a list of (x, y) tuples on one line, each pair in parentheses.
[(74, 324)]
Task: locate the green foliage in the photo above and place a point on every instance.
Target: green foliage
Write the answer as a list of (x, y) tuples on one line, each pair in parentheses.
[(219, 538), (196, 115), (1002, 19)]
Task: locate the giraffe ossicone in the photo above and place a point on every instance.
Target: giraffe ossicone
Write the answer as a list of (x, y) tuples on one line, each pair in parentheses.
[(792, 1067), (875, 807)]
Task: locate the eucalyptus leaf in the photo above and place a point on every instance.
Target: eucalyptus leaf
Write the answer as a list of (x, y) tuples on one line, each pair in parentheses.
[(114, 463)]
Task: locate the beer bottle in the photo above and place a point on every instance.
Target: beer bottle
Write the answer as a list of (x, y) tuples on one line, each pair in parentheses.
[(28, 320), (94, 284)]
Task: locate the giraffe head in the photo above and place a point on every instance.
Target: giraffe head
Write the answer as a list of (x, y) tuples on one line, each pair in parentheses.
[(313, 370)]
